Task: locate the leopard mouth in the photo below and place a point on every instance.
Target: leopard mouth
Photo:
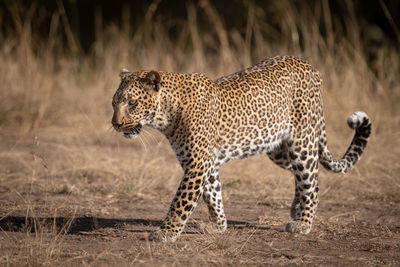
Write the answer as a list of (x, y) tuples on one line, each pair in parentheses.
[(133, 132)]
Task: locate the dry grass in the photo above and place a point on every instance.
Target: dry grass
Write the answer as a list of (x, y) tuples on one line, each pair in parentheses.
[(59, 157), (57, 79)]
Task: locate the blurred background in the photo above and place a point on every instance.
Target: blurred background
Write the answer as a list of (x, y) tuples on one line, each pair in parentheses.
[(56, 56)]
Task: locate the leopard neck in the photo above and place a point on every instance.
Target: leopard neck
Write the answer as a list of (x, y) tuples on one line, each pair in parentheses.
[(179, 96)]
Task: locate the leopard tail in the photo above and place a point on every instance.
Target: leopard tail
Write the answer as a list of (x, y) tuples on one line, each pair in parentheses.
[(361, 123)]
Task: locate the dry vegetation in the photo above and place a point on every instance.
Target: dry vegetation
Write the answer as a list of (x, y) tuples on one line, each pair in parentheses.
[(74, 192)]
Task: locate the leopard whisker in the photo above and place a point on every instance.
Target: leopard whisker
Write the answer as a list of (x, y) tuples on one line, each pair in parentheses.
[(151, 135), (143, 143)]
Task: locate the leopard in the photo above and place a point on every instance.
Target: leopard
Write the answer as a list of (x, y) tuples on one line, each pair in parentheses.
[(273, 108)]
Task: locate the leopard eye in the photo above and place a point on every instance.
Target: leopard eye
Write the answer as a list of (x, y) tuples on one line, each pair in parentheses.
[(132, 105)]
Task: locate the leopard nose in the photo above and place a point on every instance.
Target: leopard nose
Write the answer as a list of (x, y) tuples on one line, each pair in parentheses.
[(117, 123)]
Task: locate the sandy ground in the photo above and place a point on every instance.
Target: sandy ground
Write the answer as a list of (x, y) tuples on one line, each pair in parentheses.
[(74, 198)]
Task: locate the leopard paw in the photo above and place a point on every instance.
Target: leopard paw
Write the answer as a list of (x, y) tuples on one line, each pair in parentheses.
[(213, 228), (298, 227), (162, 236)]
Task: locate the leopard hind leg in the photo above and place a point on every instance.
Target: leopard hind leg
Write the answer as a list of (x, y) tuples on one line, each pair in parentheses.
[(304, 164)]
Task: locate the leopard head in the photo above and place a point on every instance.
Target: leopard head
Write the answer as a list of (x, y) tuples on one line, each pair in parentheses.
[(135, 102)]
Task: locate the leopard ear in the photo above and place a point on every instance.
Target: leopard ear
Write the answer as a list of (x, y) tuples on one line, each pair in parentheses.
[(123, 73), (152, 81)]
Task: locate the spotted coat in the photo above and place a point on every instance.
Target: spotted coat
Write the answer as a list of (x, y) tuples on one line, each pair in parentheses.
[(273, 108)]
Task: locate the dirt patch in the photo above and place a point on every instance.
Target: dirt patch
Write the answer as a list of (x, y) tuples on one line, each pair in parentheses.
[(65, 202), (345, 235)]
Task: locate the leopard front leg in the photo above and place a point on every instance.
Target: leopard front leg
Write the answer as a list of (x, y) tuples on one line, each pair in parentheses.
[(183, 204), (212, 196), (295, 204)]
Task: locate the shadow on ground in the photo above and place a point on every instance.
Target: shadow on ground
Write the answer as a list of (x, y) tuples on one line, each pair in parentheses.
[(76, 226)]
